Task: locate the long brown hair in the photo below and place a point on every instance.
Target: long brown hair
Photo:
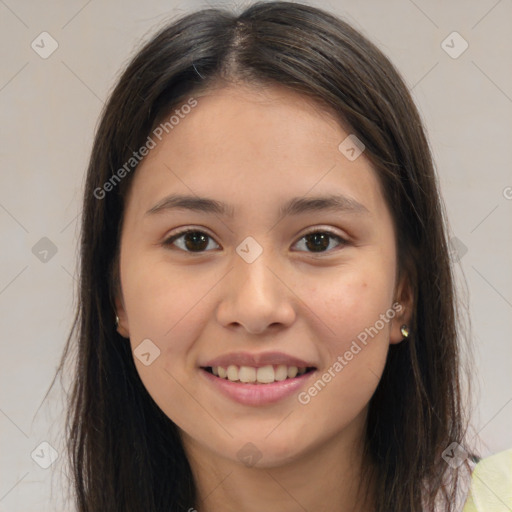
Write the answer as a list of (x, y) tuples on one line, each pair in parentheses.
[(125, 453)]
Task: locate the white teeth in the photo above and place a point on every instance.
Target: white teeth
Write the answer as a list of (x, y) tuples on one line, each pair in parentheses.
[(232, 372), (263, 375), (247, 374), (281, 372), (292, 371)]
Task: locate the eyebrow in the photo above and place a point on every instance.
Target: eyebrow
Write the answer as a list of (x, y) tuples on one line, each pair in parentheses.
[(295, 206)]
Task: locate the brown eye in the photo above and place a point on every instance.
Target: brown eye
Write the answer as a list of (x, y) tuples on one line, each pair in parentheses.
[(319, 241), (193, 240)]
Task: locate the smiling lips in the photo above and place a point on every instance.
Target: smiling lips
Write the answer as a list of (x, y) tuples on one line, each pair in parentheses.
[(262, 375), (244, 370)]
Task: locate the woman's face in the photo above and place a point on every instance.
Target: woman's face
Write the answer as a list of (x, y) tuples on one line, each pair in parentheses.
[(271, 284)]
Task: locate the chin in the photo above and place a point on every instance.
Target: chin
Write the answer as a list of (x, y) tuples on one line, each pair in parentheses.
[(259, 449)]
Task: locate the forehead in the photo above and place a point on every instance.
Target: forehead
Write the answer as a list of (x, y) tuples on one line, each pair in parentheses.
[(269, 143)]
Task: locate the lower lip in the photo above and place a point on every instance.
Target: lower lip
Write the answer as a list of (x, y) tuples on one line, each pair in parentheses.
[(257, 394)]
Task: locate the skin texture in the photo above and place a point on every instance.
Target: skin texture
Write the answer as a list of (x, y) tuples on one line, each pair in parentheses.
[(255, 149)]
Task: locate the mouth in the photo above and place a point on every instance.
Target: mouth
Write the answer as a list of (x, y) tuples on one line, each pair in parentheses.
[(261, 375)]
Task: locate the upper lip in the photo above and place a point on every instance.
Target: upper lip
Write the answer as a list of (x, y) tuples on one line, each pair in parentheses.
[(257, 360)]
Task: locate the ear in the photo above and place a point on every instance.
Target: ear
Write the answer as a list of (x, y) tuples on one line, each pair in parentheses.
[(403, 306), (123, 327)]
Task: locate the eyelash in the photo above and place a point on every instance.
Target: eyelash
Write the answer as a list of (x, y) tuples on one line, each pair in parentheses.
[(170, 241)]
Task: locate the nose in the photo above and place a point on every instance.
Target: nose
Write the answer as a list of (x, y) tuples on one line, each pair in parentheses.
[(256, 296)]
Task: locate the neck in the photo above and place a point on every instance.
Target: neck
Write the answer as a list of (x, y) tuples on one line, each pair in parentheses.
[(324, 478)]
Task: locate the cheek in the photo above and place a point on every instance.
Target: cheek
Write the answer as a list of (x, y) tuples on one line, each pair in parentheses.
[(355, 353), (351, 304), (170, 308), (159, 301), (164, 308)]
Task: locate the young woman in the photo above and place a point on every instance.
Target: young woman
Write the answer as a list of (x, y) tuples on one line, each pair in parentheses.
[(267, 316)]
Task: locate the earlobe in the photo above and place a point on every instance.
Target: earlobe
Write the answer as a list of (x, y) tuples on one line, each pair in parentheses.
[(401, 323), (120, 319)]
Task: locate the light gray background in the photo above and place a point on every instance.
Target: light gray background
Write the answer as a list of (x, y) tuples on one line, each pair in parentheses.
[(50, 108)]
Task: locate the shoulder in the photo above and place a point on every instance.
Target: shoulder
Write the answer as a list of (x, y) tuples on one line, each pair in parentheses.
[(491, 484)]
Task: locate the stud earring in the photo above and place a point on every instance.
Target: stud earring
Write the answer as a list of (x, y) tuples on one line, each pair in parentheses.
[(405, 331), (117, 321)]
